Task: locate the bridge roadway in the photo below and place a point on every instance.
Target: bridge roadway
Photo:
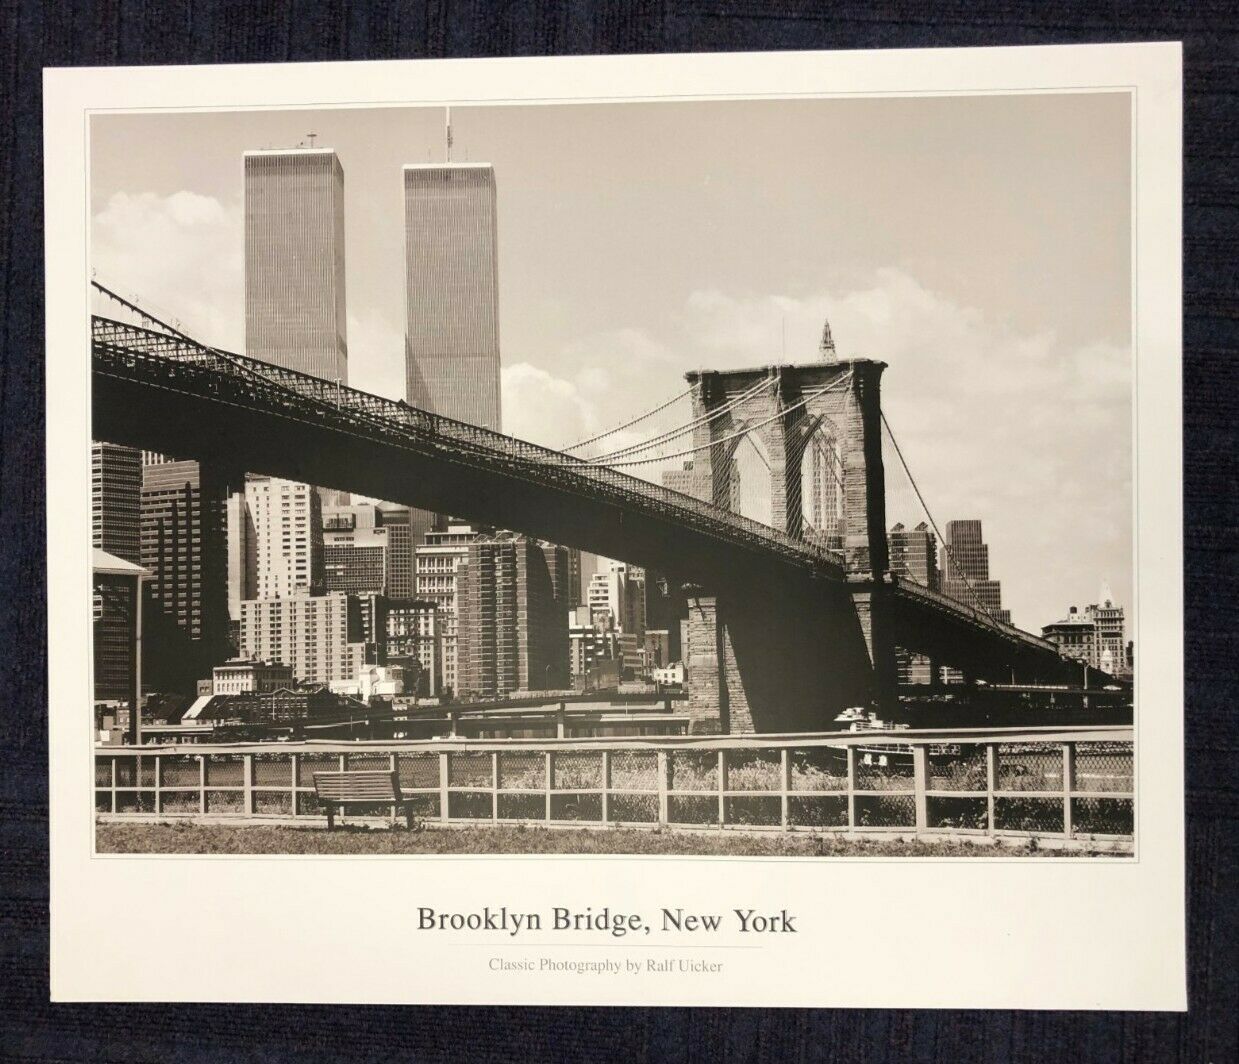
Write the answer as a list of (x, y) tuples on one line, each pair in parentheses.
[(167, 393)]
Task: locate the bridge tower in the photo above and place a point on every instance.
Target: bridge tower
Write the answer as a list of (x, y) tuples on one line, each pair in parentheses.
[(785, 406)]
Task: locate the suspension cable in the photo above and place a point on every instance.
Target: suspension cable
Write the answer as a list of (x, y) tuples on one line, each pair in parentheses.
[(629, 424), (757, 451), (684, 429), (934, 524), (726, 439)]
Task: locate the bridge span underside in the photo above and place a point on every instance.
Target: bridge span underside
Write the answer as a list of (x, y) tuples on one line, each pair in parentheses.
[(789, 656)]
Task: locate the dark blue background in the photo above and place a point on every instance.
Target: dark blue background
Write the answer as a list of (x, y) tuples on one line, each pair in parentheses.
[(33, 35)]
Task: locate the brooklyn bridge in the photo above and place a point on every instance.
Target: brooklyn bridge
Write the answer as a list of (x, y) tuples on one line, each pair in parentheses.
[(786, 627)]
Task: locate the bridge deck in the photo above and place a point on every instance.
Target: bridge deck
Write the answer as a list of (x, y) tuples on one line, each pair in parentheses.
[(178, 363), (150, 364)]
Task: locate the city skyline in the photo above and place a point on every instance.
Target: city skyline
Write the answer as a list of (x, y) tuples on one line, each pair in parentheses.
[(688, 283)]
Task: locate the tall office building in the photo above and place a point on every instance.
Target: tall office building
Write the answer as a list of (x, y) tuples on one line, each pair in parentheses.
[(406, 530), (288, 537), (242, 558), (632, 615), (965, 569), (115, 500), (184, 549), (691, 480), (355, 549), (183, 545), (514, 627), (438, 561), (452, 291), (588, 647), (575, 563), (605, 600), (822, 488), (914, 554), (294, 261)]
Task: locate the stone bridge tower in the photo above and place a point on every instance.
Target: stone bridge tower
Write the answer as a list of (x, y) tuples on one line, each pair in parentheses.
[(785, 407)]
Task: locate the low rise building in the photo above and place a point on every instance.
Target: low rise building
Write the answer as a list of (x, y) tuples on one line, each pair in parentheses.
[(374, 681), (242, 675), (284, 706), (669, 676)]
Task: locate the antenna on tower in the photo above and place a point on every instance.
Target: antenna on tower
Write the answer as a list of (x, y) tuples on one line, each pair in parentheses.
[(310, 137), (448, 130)]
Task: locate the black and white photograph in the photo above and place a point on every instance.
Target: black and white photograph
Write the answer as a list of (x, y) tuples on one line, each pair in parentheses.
[(618, 530), (740, 477)]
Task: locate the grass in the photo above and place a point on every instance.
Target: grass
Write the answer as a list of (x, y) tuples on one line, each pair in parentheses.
[(190, 838)]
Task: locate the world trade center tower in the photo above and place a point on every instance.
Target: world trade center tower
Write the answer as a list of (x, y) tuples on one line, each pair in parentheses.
[(452, 291), (294, 261)]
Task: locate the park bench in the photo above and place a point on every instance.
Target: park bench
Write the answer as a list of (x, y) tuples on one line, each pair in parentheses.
[(374, 787)]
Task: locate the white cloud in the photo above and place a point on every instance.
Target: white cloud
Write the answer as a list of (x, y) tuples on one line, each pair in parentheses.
[(180, 255), (544, 409)]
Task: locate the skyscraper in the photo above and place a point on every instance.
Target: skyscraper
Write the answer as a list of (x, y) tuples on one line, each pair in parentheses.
[(822, 487), (288, 537), (452, 291), (184, 548), (406, 528), (965, 569), (115, 500), (914, 554), (438, 561), (294, 261), (414, 634), (690, 480), (356, 549), (514, 627), (242, 558)]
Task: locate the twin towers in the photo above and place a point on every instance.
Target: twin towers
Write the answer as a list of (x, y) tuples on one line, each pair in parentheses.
[(295, 310)]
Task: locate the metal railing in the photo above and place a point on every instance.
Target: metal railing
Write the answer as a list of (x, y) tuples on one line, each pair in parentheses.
[(128, 350), (1053, 783)]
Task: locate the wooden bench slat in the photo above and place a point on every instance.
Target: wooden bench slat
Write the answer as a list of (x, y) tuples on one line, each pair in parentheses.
[(360, 786)]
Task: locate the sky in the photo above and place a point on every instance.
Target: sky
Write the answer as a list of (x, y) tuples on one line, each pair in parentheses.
[(980, 246)]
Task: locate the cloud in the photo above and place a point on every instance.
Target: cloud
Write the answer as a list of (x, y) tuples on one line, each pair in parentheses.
[(180, 255), (543, 408)]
